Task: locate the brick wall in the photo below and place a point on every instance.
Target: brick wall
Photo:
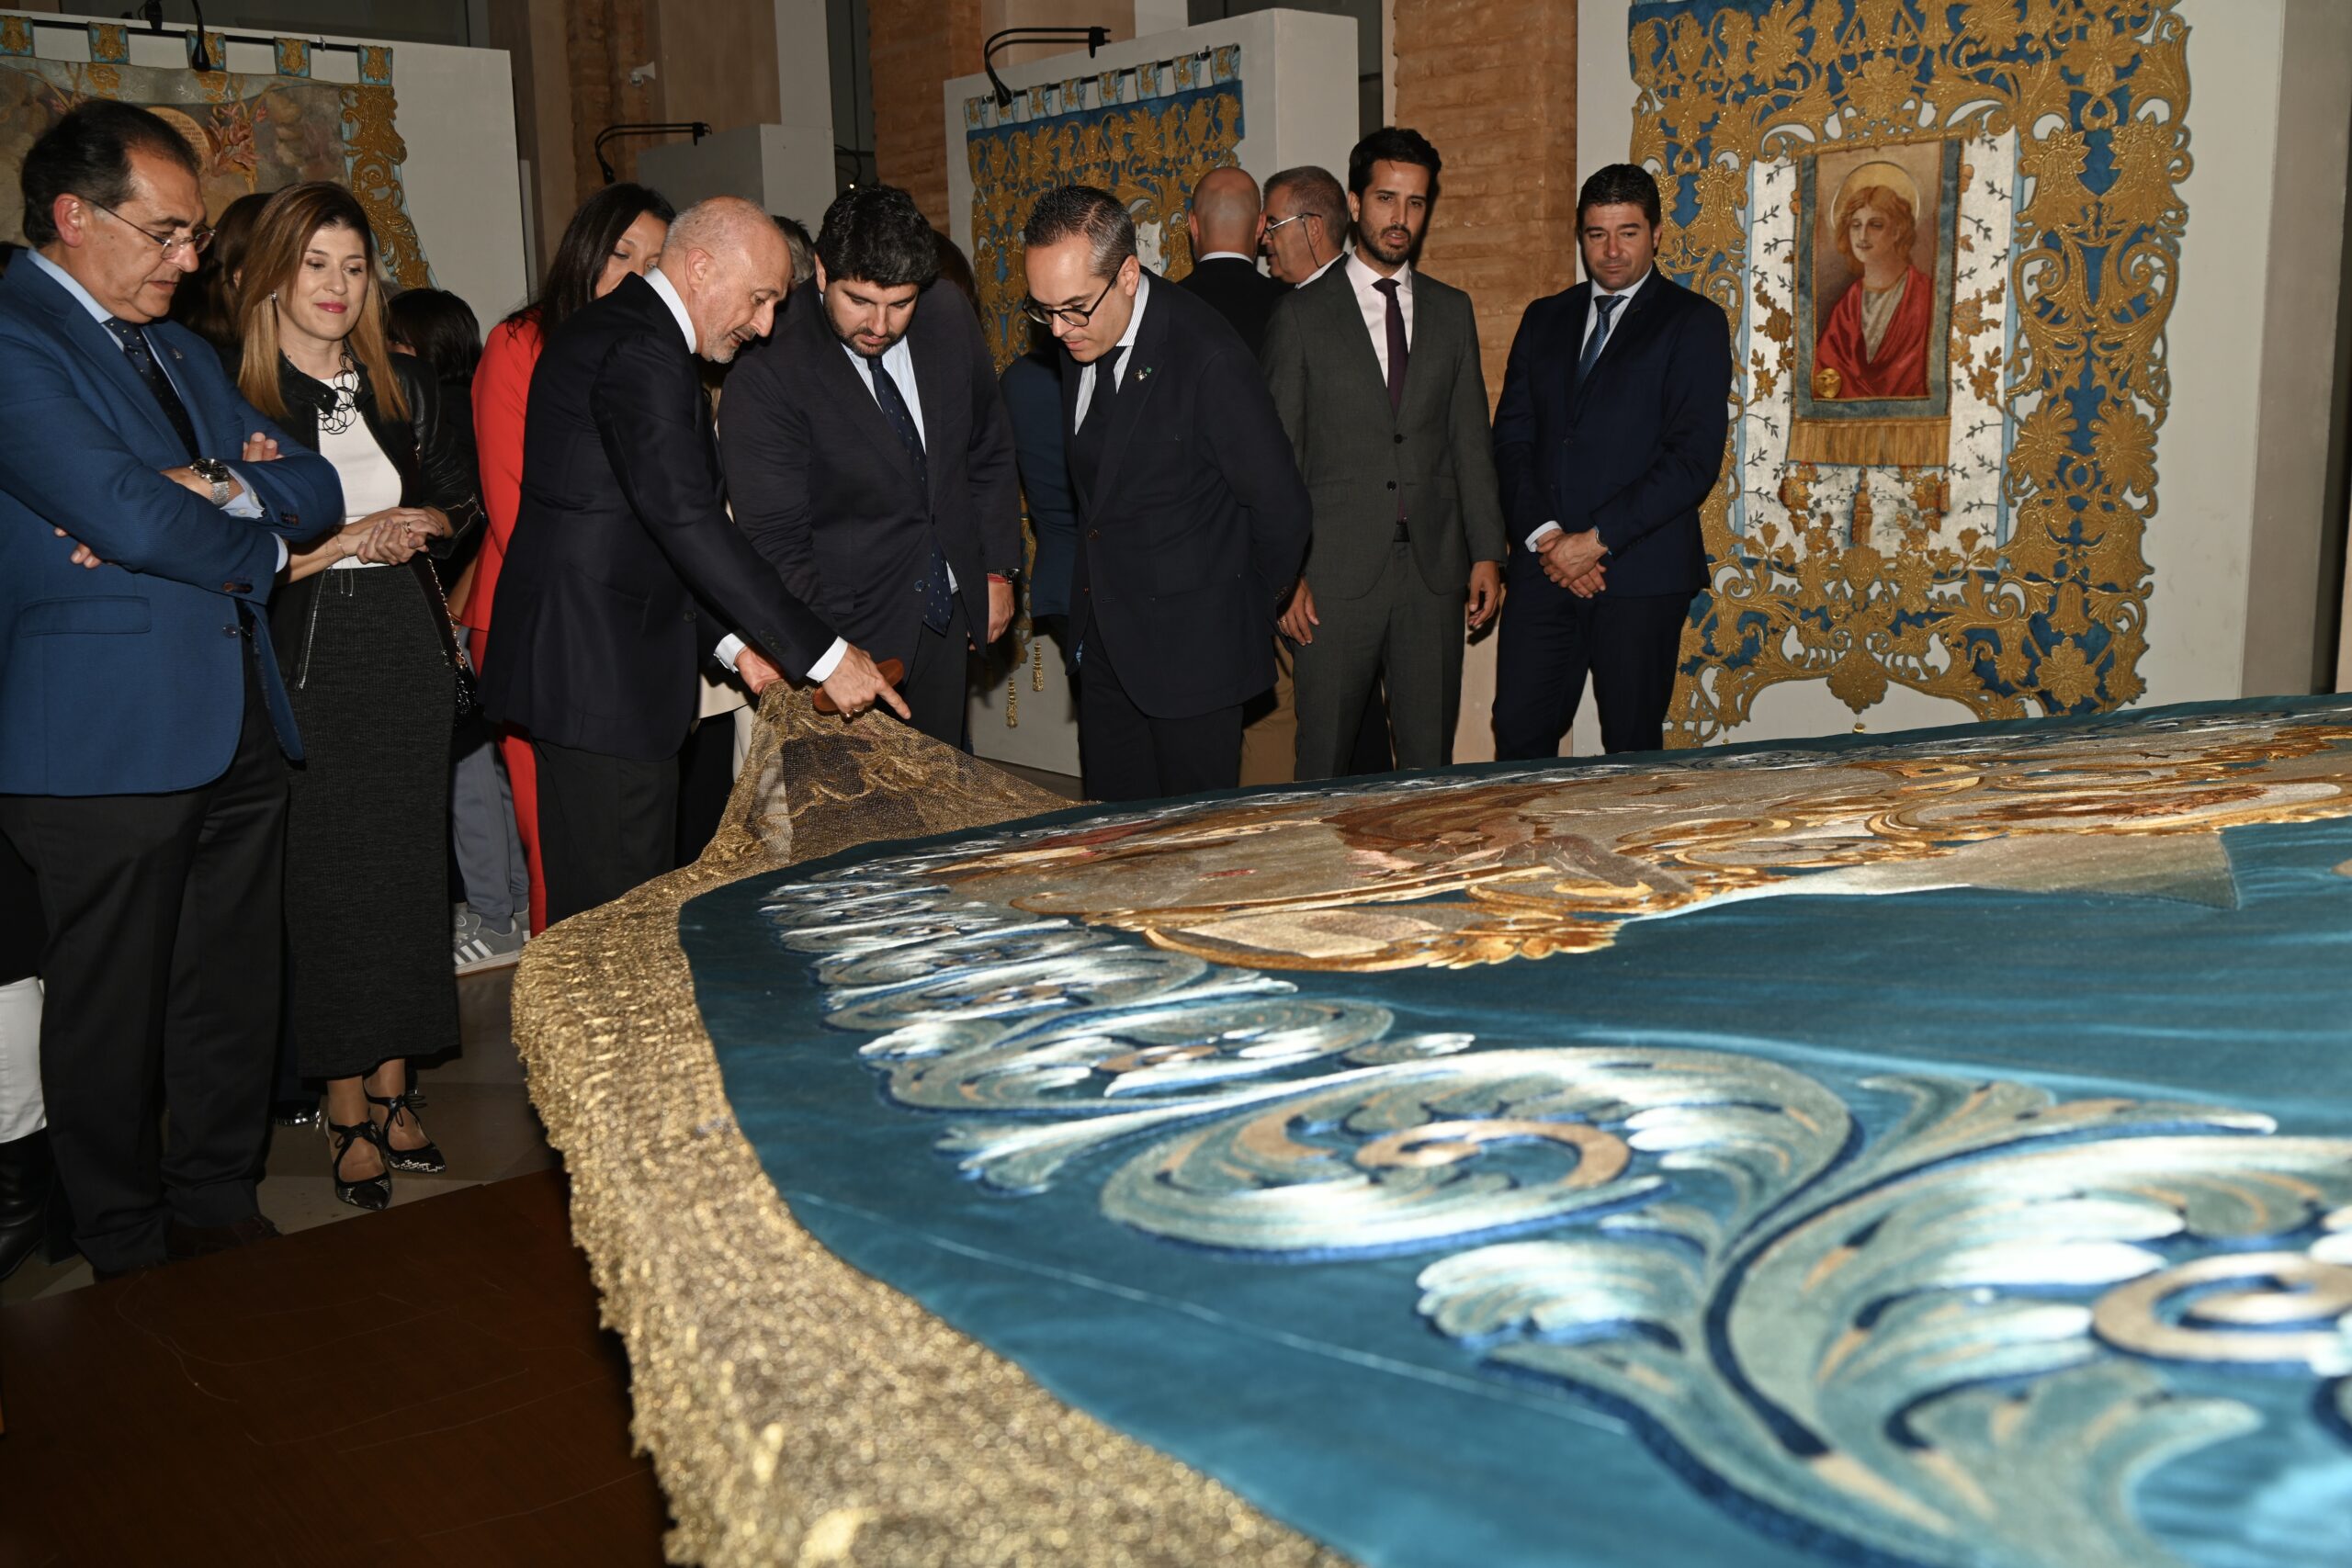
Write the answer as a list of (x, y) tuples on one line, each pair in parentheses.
[(1493, 83), (915, 46)]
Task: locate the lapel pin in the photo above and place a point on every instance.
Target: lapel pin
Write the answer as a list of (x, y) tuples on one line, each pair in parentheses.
[(1143, 373)]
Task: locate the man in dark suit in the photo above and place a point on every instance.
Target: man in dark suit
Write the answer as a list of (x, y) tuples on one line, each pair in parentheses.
[(622, 539), (1193, 519), (1225, 223), (139, 774), (1374, 369), (1609, 437), (869, 458)]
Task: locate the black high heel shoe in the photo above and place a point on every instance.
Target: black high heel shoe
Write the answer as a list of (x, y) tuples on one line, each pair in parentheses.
[(424, 1160), (376, 1192)]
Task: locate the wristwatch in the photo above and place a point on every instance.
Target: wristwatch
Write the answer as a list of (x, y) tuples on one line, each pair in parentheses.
[(215, 472)]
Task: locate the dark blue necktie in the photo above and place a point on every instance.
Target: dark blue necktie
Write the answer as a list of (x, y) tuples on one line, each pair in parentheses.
[(1607, 305), (938, 601), (135, 349)]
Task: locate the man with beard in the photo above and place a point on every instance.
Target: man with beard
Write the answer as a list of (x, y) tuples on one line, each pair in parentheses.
[(869, 459), (1393, 444)]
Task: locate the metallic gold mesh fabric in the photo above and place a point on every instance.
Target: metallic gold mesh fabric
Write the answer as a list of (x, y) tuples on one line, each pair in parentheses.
[(796, 1411)]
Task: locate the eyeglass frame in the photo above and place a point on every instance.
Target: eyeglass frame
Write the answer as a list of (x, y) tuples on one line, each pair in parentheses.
[(196, 242), (1047, 315)]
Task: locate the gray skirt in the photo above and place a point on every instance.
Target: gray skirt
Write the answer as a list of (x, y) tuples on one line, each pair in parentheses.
[(368, 973)]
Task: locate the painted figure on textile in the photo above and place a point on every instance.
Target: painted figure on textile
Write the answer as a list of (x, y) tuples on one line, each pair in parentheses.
[(1490, 868), (1874, 340)]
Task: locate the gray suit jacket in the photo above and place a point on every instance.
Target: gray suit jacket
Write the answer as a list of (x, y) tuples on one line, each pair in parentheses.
[(1356, 454)]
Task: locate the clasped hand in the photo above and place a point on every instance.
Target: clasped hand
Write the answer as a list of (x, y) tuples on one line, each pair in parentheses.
[(389, 537), (1574, 561)]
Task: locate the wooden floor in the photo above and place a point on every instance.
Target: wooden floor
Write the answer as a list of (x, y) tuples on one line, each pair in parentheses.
[(429, 1387)]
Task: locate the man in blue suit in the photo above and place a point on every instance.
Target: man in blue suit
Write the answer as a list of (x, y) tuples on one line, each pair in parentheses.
[(139, 776), (1609, 437)]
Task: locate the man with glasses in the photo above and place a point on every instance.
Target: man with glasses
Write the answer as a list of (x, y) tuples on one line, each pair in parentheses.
[(1192, 516), (139, 774), (1306, 224)]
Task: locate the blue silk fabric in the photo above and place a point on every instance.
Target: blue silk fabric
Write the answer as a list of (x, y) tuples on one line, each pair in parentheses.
[(1929, 1149)]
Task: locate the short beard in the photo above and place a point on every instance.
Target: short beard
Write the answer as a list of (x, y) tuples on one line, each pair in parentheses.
[(849, 340), (1371, 247)]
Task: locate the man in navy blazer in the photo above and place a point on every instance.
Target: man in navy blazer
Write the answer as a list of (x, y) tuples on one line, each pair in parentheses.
[(1609, 437), (139, 776)]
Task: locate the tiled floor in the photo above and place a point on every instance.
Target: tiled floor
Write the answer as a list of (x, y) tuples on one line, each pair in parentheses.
[(476, 1109)]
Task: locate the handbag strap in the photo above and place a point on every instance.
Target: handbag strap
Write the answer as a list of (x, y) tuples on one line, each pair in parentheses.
[(419, 564)]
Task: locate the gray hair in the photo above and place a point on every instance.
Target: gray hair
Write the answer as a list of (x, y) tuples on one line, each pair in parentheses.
[(1069, 211)]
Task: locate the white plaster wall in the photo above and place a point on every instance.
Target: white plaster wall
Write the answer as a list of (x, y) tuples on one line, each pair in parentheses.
[(1299, 106), (2199, 541), (457, 114)]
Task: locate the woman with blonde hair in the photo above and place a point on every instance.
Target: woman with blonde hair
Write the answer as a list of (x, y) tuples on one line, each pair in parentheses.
[(371, 664)]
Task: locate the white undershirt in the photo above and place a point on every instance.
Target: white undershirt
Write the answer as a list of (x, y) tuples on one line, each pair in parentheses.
[(370, 483)]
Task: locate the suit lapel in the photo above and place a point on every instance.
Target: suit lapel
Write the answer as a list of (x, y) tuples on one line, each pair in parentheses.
[(934, 384), (1343, 323), (1635, 320), (847, 382), (1137, 385), (83, 330)]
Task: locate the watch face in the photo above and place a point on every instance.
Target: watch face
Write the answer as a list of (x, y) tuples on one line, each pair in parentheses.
[(211, 468)]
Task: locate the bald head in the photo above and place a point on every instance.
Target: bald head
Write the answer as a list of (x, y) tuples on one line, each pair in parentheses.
[(1223, 215), (729, 262)]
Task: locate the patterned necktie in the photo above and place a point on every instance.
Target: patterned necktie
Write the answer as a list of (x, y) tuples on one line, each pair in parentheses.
[(135, 349), (938, 600), (1387, 287), (1607, 305)]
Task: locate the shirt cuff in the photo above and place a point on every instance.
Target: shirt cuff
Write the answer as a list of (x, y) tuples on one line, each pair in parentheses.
[(1535, 540), (827, 662), (284, 555), (245, 503), (731, 647)]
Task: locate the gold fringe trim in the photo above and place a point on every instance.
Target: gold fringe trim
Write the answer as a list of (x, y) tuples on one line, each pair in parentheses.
[(1872, 443), (796, 1410)]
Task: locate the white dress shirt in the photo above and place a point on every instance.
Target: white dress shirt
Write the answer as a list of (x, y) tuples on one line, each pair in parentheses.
[(1591, 325), (245, 503), (1323, 269), (1225, 255), (1117, 358), (1375, 305), (731, 647)]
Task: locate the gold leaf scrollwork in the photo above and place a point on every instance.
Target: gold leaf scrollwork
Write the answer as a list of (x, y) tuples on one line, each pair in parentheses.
[(376, 152), (2095, 96)]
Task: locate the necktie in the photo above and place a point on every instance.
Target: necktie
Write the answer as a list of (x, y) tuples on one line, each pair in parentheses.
[(1607, 305), (135, 349), (1387, 287), (938, 600)]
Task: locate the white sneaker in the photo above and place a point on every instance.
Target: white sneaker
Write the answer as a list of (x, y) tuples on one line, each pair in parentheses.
[(481, 946)]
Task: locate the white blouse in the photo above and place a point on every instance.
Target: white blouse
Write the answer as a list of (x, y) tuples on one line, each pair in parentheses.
[(370, 483)]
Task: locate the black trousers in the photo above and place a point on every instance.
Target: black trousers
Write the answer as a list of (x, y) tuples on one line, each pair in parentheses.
[(1128, 755), (938, 687), (607, 824), (165, 951), (1551, 639)]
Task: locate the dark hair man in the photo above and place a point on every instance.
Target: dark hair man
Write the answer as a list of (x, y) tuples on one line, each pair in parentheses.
[(1396, 449), (1608, 436), (1192, 515), (1306, 223), (138, 774), (869, 458), (623, 551), (1224, 221)]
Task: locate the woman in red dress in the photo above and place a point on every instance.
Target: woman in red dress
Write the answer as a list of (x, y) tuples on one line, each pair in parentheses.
[(1874, 344), (616, 232)]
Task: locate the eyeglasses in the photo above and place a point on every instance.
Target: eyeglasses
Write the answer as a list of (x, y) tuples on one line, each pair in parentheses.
[(196, 242), (1047, 315), (1292, 219)]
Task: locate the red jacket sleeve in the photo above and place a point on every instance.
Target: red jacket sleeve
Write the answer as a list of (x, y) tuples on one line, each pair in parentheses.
[(502, 391)]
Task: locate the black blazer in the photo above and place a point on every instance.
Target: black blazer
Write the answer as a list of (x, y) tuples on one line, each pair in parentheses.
[(823, 488), (431, 452), (1193, 534), (1238, 291), (1635, 450), (620, 538)]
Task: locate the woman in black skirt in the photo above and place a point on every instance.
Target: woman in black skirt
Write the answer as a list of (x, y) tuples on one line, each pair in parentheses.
[(364, 640)]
